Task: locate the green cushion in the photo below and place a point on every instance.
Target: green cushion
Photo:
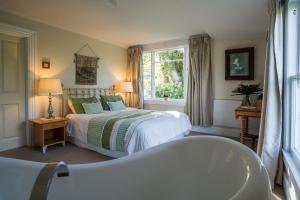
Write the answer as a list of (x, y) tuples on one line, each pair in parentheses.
[(105, 99), (77, 103), (92, 108), (117, 105)]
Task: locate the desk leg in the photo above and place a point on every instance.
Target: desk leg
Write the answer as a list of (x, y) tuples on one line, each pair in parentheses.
[(244, 128)]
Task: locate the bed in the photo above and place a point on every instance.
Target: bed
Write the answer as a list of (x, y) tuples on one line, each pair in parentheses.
[(120, 133)]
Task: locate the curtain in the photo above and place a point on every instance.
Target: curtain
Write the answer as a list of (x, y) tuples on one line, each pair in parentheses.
[(134, 74), (199, 91), (270, 134)]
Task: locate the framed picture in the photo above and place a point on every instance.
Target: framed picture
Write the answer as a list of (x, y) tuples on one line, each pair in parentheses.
[(239, 64), (46, 64), (86, 70)]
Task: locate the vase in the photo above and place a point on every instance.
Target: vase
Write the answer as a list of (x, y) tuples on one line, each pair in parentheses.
[(246, 101)]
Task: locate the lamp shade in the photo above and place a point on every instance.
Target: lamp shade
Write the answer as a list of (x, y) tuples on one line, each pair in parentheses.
[(126, 87), (49, 85)]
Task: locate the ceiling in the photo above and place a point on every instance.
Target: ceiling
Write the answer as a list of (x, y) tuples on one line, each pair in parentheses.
[(130, 22)]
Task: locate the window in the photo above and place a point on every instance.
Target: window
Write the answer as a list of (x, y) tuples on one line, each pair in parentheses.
[(292, 86), (164, 74)]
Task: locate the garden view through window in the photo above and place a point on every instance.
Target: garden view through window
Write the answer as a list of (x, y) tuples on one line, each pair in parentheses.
[(163, 74)]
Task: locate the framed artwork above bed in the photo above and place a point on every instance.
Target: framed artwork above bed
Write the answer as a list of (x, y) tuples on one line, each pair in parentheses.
[(86, 67), (239, 64), (86, 70)]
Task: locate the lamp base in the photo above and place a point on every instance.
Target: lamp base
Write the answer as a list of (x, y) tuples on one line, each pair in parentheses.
[(50, 116), (50, 109)]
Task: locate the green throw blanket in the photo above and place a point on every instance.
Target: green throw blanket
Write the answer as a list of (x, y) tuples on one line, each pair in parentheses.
[(114, 132)]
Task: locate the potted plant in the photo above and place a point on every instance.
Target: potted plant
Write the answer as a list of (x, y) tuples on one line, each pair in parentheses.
[(166, 95), (247, 90)]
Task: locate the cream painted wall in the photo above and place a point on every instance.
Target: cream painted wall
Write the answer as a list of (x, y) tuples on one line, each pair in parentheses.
[(152, 106), (60, 45), (222, 88), (224, 103)]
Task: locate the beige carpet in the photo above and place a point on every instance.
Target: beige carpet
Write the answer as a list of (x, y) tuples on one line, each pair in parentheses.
[(70, 153)]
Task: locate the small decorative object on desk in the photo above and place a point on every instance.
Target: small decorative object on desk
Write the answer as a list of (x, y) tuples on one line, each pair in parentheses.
[(247, 90)]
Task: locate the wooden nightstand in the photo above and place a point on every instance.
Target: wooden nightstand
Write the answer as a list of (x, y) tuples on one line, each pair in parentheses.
[(49, 132)]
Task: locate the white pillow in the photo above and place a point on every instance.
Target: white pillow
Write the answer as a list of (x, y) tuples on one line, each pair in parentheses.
[(70, 104)]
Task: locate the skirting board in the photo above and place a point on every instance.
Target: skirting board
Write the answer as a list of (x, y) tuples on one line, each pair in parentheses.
[(222, 131)]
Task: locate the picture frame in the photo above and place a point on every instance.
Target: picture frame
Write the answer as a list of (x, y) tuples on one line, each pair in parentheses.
[(86, 70), (46, 64), (239, 64)]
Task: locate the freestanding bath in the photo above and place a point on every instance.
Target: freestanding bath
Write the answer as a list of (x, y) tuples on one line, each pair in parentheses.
[(192, 168)]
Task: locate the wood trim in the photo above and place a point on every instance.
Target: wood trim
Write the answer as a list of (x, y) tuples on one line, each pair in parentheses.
[(31, 43)]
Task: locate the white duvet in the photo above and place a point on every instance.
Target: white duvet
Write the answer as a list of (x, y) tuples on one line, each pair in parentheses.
[(149, 133)]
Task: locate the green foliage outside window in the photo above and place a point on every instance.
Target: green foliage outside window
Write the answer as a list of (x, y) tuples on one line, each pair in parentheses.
[(169, 74)]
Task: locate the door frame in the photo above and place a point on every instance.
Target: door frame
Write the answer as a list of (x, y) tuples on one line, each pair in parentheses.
[(30, 75)]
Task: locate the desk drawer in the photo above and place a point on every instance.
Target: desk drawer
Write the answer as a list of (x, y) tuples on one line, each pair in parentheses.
[(54, 125)]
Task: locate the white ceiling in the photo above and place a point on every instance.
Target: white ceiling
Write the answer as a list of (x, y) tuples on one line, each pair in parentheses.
[(130, 22)]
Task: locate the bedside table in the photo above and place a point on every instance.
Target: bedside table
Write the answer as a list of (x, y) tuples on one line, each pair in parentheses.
[(49, 132)]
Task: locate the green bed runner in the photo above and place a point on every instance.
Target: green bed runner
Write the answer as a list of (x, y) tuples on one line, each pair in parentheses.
[(112, 132)]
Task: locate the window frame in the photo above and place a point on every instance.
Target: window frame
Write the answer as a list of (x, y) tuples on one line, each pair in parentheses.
[(289, 123), (161, 101), (290, 158)]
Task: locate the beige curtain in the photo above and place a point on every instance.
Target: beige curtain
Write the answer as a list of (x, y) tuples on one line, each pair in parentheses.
[(199, 91), (134, 74), (270, 134)]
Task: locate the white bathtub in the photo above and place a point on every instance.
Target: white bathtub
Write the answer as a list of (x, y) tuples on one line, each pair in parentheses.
[(190, 168)]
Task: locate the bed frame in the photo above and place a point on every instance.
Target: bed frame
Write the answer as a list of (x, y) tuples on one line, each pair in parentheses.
[(83, 92)]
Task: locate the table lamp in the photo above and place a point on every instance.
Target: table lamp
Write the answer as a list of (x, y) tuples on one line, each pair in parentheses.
[(125, 87), (49, 86)]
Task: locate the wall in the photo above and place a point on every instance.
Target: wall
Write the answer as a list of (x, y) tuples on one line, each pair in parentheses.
[(148, 105), (224, 103), (222, 87), (60, 45)]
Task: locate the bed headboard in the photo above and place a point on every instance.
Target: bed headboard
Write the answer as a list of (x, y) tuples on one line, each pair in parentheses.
[(83, 92)]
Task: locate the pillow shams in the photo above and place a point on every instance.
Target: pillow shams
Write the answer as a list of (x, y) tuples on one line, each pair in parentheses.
[(92, 108), (115, 106), (111, 98), (77, 103)]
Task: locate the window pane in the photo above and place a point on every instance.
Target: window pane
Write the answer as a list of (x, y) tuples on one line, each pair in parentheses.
[(292, 38), (169, 74), (296, 115), (147, 75)]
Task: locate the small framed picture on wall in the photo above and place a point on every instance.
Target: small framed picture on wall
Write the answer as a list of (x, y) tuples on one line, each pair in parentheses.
[(46, 65), (239, 64)]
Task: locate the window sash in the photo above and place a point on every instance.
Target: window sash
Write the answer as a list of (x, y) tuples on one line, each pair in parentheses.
[(294, 126), (153, 72)]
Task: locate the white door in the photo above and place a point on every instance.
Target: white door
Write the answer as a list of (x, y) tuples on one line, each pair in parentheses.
[(12, 92)]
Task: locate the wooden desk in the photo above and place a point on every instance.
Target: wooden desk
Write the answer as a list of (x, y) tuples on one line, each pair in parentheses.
[(244, 114)]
